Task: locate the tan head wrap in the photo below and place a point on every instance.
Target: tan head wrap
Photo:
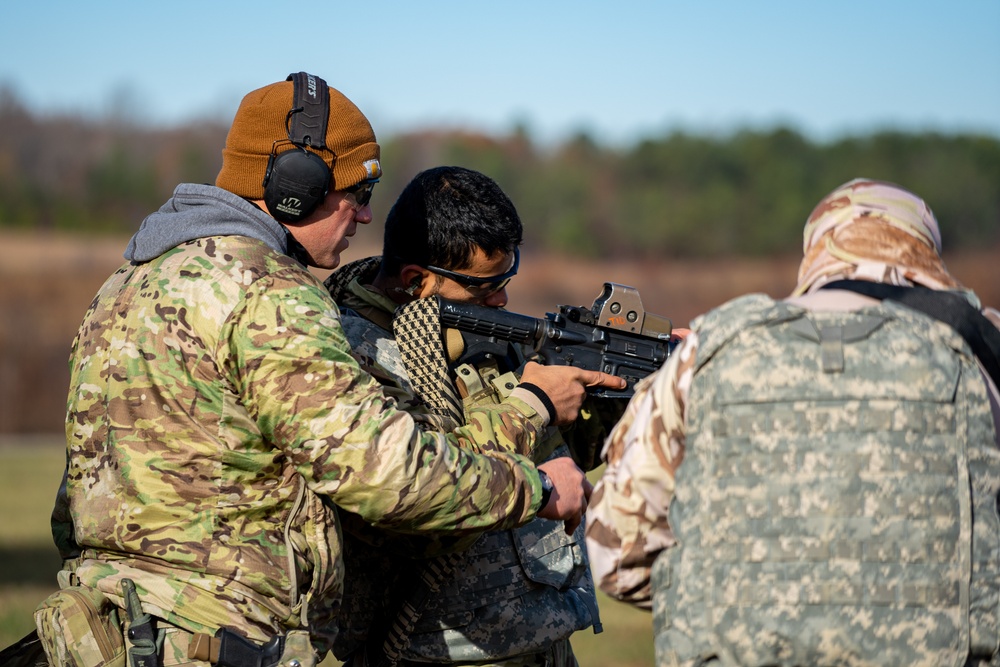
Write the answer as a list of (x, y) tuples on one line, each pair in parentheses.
[(872, 230)]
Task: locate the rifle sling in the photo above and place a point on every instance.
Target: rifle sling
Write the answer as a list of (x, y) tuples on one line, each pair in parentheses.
[(947, 307)]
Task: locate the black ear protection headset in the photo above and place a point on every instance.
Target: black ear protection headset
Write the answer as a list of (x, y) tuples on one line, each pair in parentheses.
[(297, 180)]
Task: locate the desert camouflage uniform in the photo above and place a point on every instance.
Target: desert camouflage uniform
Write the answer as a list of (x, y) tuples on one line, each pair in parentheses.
[(216, 417), (836, 502), (515, 596)]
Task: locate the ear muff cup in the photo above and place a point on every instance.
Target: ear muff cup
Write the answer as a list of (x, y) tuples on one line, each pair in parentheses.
[(296, 183), (297, 180)]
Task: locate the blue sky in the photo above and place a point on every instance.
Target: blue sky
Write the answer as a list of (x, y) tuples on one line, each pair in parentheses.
[(618, 70)]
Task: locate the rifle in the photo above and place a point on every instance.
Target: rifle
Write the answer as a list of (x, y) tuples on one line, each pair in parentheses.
[(616, 336)]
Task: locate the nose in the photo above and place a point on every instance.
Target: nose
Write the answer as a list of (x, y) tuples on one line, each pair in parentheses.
[(496, 300), (363, 214)]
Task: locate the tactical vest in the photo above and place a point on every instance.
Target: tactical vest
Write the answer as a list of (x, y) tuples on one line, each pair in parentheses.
[(837, 503), (516, 591)]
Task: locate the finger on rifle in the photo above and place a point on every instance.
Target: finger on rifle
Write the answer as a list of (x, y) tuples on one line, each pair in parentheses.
[(599, 379)]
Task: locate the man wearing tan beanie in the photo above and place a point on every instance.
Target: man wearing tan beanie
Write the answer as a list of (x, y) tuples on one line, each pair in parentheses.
[(216, 419)]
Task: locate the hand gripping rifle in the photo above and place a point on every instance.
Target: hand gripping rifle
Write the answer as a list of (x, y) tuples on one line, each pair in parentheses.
[(616, 336)]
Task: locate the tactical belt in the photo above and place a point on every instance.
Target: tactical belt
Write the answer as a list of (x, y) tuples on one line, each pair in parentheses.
[(228, 649)]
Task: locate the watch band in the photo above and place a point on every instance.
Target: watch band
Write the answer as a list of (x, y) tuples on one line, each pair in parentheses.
[(546, 488)]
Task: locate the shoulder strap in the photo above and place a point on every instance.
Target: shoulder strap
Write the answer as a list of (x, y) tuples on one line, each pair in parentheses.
[(952, 309)]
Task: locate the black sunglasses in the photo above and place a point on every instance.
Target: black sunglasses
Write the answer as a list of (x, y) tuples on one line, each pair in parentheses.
[(483, 284), (361, 193)]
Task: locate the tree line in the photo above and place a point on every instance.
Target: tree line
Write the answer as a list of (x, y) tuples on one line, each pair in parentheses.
[(678, 195)]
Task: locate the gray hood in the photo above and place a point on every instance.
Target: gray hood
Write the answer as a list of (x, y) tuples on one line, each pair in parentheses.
[(196, 211)]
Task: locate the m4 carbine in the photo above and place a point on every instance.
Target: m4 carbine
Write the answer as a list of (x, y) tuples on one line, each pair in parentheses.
[(616, 336)]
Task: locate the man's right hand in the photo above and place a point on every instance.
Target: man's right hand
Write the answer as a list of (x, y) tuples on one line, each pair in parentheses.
[(570, 492), (566, 387)]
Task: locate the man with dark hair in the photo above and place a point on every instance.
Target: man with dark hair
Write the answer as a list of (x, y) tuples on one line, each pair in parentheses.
[(510, 597), (216, 418), (814, 480), (447, 224)]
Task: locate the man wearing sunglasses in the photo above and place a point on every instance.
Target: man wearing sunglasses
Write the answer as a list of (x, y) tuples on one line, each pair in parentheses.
[(512, 597), (216, 418)]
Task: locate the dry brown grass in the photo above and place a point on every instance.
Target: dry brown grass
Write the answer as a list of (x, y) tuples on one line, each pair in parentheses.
[(47, 281)]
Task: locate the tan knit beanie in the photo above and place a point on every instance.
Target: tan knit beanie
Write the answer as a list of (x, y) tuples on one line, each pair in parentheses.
[(352, 155)]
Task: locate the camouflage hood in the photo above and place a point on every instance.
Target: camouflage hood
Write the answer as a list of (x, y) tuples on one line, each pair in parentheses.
[(197, 211), (873, 230)]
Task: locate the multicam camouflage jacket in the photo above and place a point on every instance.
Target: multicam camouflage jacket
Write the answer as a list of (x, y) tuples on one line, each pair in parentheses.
[(803, 486), (512, 593), (216, 418)]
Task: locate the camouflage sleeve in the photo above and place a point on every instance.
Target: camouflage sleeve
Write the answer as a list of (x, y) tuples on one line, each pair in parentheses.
[(627, 524), (290, 363)]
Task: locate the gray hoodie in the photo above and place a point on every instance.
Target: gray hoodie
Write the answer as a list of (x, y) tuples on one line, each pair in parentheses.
[(196, 211)]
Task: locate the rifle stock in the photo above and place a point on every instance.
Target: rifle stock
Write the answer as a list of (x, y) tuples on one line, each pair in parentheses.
[(615, 336)]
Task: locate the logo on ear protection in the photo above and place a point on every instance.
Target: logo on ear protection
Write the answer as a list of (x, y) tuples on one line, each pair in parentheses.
[(291, 206)]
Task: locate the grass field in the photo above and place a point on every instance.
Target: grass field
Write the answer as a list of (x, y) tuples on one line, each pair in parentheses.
[(30, 471)]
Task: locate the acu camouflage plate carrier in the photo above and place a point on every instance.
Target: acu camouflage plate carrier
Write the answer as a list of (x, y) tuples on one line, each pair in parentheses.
[(837, 501)]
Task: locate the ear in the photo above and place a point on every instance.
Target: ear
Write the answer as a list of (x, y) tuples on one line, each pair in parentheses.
[(416, 279), (412, 273)]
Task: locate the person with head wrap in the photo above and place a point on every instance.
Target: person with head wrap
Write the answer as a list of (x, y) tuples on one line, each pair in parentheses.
[(813, 480), (877, 231)]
